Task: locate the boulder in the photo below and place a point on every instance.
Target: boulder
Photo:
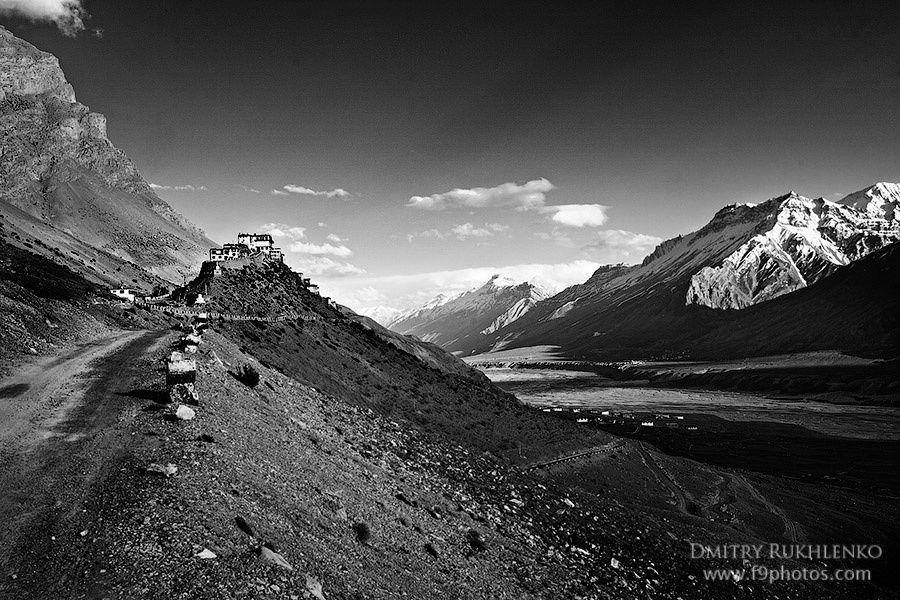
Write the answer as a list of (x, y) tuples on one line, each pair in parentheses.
[(166, 470), (184, 413), (268, 555)]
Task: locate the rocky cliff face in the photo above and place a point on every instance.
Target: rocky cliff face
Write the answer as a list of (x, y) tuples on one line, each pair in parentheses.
[(58, 167), (798, 241)]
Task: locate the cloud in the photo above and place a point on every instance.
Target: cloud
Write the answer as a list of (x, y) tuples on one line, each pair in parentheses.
[(461, 232), (320, 249), (67, 15), (334, 238), (411, 291), (278, 193), (280, 230), (616, 245), (577, 215), (177, 188), (428, 233), (249, 189), (323, 266), (521, 197), (467, 230), (299, 189)]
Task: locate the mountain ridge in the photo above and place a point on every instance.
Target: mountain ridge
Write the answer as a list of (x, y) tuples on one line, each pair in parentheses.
[(722, 266), (451, 321)]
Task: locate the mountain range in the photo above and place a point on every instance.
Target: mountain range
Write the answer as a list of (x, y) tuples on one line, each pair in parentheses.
[(68, 194), (748, 254), (456, 322)]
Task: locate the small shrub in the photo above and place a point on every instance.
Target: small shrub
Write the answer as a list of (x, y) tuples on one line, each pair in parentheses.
[(248, 375)]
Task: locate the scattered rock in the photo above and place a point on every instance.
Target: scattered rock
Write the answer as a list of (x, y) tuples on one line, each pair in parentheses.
[(205, 554), (314, 588), (184, 412), (363, 532), (270, 556), (476, 540), (243, 525), (403, 498), (165, 470), (568, 503), (615, 564)]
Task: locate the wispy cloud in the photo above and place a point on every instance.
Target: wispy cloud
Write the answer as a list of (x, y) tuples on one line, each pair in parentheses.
[(250, 189), (616, 245), (577, 215), (305, 191), (323, 266), (334, 238), (280, 230), (67, 15), (467, 230), (462, 231), (278, 193), (521, 197), (428, 233), (178, 188), (320, 249)]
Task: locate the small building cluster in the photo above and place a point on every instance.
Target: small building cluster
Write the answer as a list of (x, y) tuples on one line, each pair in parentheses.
[(248, 244)]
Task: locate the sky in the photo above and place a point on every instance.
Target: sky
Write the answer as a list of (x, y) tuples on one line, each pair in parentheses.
[(397, 152)]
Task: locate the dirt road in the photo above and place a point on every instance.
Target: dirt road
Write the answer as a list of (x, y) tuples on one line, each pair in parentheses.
[(57, 430)]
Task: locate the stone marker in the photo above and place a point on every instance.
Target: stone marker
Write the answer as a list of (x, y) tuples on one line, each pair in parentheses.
[(181, 371), (183, 393)]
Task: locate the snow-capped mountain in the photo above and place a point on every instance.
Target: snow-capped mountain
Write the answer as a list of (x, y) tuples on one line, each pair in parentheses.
[(454, 321), (797, 242), (746, 255), (383, 315)]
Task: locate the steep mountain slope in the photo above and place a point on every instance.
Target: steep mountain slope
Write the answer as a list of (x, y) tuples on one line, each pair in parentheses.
[(458, 322), (64, 183), (353, 358), (747, 254)]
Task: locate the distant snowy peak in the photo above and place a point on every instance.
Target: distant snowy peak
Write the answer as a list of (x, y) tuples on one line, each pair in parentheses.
[(534, 295), (383, 315), (881, 201), (450, 321), (792, 242)]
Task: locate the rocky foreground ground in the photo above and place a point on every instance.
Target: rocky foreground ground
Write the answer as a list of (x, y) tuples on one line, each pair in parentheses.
[(280, 491)]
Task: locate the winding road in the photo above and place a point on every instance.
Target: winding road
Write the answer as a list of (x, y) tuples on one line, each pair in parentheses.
[(57, 430)]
